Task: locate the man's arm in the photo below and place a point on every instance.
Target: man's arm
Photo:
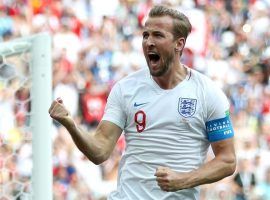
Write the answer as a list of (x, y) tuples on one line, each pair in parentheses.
[(98, 146), (221, 166)]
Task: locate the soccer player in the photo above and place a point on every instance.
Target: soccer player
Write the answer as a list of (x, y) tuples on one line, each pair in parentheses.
[(170, 115)]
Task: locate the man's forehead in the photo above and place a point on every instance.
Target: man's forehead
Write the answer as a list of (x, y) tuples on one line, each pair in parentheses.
[(152, 29), (163, 22)]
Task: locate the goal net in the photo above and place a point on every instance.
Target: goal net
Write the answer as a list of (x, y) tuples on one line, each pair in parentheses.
[(25, 96)]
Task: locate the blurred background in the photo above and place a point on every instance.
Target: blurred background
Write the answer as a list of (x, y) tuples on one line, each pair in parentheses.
[(97, 42)]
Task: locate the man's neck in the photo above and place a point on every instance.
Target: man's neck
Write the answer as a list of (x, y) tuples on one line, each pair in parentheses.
[(172, 78)]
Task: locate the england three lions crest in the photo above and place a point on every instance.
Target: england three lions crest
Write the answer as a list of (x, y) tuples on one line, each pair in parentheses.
[(187, 106)]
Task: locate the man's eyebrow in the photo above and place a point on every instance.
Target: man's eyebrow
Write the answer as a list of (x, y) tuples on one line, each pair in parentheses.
[(152, 31), (157, 32), (144, 31)]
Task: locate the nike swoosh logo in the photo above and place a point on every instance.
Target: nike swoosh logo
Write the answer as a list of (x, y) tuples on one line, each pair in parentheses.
[(139, 104)]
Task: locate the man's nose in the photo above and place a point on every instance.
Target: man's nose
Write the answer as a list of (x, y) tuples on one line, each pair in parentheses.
[(150, 42)]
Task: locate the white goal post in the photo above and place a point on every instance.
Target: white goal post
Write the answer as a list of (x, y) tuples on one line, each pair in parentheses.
[(38, 47)]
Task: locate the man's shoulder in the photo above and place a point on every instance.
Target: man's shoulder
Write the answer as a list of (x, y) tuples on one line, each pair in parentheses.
[(132, 81), (136, 76), (206, 84), (202, 79), (199, 76)]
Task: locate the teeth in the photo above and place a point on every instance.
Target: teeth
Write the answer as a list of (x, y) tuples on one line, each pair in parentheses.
[(151, 52)]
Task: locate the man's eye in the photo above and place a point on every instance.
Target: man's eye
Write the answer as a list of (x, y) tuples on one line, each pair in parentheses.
[(145, 36), (159, 35)]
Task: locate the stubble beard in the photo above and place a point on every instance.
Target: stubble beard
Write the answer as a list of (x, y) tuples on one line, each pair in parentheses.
[(163, 68)]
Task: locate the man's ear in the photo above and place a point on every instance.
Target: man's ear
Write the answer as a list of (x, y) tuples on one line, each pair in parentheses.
[(180, 44)]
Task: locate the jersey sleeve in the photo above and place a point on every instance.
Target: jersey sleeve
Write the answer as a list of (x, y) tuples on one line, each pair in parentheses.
[(218, 124), (114, 110)]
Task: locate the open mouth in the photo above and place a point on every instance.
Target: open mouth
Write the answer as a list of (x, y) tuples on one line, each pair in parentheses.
[(153, 57)]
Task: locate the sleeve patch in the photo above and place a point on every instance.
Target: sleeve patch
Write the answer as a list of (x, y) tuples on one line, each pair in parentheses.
[(219, 129)]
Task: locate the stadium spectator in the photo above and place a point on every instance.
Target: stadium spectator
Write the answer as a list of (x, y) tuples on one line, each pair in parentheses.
[(245, 180)]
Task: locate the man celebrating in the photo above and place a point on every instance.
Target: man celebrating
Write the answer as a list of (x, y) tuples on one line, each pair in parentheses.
[(170, 115)]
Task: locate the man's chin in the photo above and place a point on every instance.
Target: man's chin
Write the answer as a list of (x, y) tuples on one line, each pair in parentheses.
[(160, 72), (156, 73), (154, 70)]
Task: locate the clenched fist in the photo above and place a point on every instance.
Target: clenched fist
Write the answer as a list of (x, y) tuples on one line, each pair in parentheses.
[(169, 180), (59, 112)]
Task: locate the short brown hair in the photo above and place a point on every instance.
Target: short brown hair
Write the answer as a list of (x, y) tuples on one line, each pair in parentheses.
[(181, 24)]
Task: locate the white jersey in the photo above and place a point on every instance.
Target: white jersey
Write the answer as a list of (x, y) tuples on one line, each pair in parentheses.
[(162, 128)]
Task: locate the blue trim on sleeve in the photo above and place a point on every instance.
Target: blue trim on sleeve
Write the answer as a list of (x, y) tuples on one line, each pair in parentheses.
[(219, 129)]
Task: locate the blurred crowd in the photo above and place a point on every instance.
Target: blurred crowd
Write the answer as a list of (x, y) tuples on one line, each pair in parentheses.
[(97, 42)]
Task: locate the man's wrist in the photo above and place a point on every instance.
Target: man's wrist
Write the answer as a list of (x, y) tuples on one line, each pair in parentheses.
[(186, 180), (69, 123)]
